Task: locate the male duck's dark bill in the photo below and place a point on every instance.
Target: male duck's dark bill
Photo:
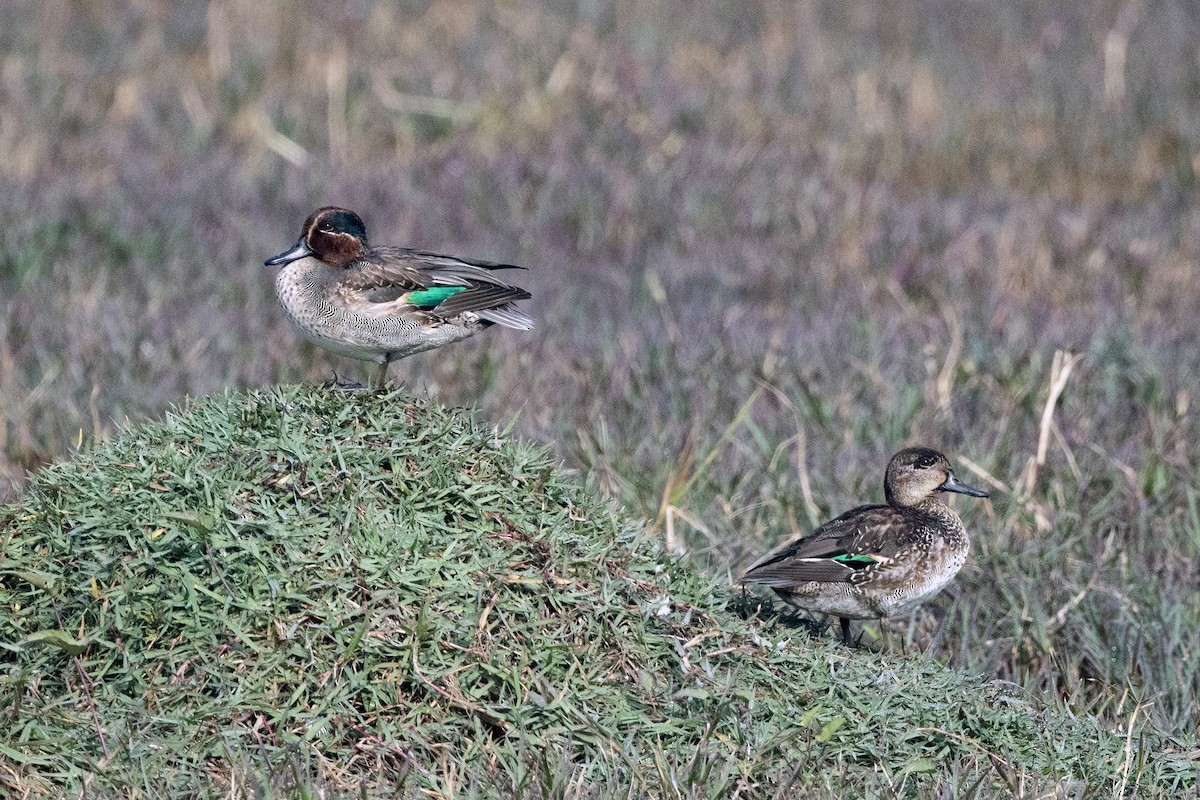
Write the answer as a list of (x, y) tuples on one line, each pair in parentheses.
[(953, 484), (298, 251)]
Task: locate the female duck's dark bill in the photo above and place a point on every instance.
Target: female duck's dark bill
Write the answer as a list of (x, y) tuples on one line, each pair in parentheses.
[(953, 484), (298, 251)]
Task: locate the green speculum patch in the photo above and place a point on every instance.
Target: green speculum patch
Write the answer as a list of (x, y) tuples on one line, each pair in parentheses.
[(428, 298), (854, 558)]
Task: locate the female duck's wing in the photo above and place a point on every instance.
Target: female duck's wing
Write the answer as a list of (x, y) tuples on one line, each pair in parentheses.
[(833, 552)]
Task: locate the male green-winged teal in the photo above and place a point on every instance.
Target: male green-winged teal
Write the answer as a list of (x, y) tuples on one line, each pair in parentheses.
[(384, 303), (876, 561)]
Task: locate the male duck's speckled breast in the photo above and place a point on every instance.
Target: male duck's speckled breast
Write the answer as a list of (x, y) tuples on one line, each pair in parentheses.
[(303, 289)]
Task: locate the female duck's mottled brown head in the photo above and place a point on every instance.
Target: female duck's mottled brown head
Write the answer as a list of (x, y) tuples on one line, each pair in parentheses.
[(917, 474), (336, 236)]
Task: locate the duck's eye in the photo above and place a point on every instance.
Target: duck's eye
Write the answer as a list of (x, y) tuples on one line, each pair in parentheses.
[(925, 462), (325, 227)]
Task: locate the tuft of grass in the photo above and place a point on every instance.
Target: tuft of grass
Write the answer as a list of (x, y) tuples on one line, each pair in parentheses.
[(303, 591)]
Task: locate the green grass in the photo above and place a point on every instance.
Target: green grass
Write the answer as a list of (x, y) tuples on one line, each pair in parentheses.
[(306, 589)]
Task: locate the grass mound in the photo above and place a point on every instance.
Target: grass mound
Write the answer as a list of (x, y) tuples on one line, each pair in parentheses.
[(304, 591)]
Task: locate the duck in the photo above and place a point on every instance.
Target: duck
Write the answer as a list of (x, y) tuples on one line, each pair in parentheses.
[(383, 303), (876, 561)]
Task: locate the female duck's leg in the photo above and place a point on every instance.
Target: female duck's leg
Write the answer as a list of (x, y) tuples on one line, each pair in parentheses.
[(845, 621)]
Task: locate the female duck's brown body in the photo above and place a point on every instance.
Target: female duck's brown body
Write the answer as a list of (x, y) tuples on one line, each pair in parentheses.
[(877, 560), (384, 303)]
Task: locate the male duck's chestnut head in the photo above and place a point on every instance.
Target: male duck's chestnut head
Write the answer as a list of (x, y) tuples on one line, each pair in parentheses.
[(336, 236)]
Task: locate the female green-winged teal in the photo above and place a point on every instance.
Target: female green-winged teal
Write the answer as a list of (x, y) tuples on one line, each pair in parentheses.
[(876, 561), (384, 303)]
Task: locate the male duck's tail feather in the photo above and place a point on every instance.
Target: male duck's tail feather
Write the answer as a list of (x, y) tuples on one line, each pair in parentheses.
[(509, 316)]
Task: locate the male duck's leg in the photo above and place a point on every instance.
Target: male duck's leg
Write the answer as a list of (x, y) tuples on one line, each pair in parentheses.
[(845, 622), (380, 376)]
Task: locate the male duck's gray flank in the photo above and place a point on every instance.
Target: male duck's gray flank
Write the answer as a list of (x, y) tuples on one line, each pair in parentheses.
[(384, 303), (876, 561)]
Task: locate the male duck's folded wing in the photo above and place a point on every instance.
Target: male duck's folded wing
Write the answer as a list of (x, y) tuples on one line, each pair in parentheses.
[(480, 298), (435, 268), (489, 302)]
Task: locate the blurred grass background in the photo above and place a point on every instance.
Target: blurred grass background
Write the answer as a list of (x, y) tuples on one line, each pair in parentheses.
[(769, 243)]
